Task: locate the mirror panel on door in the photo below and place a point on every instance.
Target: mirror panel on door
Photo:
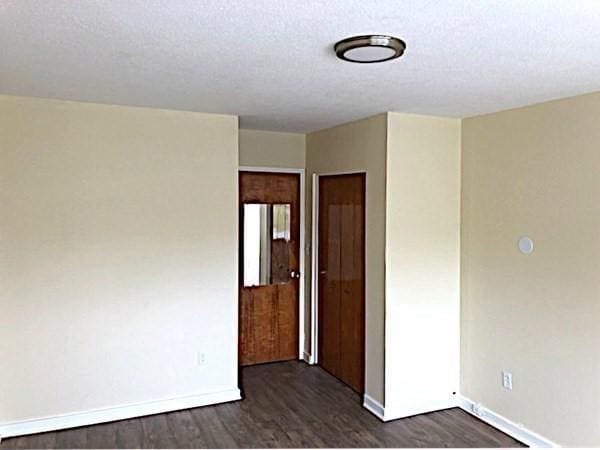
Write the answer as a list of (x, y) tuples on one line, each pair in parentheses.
[(266, 244)]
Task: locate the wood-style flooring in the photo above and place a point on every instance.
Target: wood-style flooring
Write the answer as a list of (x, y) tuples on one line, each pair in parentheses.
[(286, 404)]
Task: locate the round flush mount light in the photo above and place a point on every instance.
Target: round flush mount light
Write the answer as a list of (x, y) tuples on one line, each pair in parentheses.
[(370, 49)]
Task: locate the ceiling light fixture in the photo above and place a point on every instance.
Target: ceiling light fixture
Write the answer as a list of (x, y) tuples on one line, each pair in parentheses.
[(370, 49)]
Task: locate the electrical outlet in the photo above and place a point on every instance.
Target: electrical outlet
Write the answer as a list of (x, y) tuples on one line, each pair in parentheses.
[(507, 380), (201, 358)]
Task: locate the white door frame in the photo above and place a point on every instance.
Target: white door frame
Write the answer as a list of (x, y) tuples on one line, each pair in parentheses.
[(314, 298), (301, 295)]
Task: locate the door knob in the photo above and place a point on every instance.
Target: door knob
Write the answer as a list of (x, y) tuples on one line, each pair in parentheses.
[(294, 274)]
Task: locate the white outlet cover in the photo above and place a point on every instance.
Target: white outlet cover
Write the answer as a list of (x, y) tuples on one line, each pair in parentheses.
[(525, 245), (507, 380)]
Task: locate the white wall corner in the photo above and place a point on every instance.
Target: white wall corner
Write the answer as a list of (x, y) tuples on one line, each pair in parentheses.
[(122, 412), (373, 406), (513, 429), (308, 358)]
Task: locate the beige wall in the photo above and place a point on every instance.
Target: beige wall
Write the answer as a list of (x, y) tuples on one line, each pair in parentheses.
[(356, 146), (422, 311), (270, 149), (118, 263), (113, 275), (534, 171)]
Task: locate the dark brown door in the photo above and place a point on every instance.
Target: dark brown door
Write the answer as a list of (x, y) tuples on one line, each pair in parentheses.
[(269, 266), (341, 277)]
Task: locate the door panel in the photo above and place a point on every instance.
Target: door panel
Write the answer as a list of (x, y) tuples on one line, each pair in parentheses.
[(269, 307), (329, 281), (341, 277)]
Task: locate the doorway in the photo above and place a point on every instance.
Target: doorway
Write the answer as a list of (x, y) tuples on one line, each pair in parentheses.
[(269, 274), (341, 277)]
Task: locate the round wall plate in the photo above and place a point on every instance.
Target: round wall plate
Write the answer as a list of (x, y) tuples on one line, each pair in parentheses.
[(526, 245)]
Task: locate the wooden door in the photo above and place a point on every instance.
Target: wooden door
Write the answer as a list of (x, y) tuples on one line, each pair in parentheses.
[(341, 277), (269, 289)]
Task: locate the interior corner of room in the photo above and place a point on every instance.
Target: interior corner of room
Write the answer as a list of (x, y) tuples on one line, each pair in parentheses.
[(425, 244)]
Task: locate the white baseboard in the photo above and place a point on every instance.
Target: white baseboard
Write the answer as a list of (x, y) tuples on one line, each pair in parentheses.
[(389, 413), (92, 417), (423, 407), (515, 430), (374, 406), (308, 358), (96, 416)]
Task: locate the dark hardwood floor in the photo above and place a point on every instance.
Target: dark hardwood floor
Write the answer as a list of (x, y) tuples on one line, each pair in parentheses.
[(286, 405)]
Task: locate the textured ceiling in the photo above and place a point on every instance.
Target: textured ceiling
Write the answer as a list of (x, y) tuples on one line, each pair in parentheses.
[(271, 62)]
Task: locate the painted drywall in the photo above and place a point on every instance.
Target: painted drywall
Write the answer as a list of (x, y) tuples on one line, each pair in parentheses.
[(271, 149), (422, 264), (359, 145), (534, 172), (118, 263)]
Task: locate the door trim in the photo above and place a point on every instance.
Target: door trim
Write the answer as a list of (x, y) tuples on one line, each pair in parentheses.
[(314, 286), (301, 300)]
